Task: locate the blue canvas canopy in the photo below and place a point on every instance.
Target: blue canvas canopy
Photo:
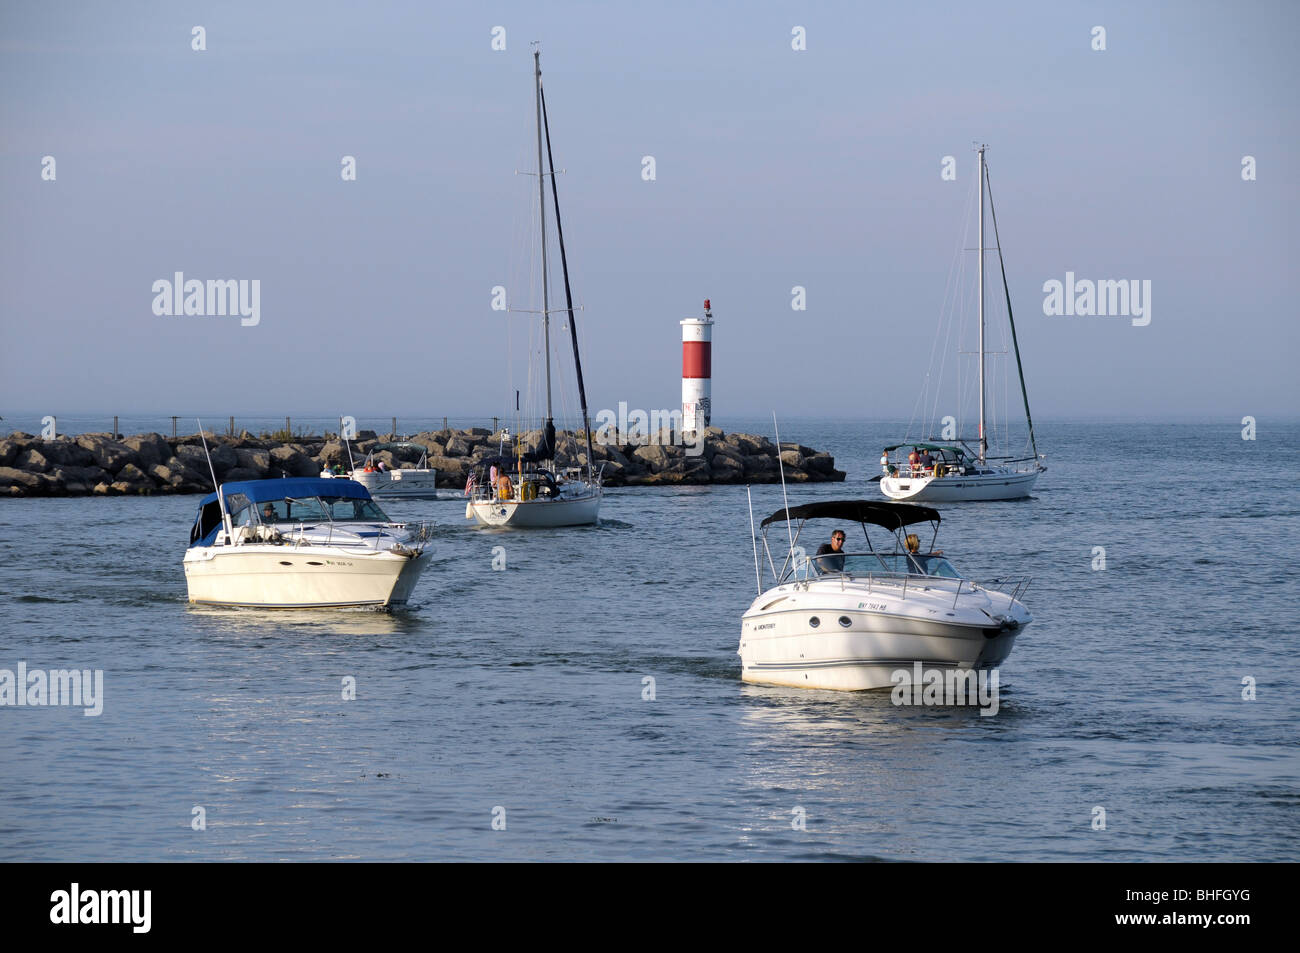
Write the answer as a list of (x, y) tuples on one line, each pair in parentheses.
[(262, 491), (208, 520)]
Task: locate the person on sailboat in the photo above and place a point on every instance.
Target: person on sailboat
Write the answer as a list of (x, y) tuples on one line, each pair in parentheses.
[(927, 461), (884, 461), (913, 461)]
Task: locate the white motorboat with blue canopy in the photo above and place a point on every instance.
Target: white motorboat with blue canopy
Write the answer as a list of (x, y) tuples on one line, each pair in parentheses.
[(305, 542), (848, 619), (957, 470)]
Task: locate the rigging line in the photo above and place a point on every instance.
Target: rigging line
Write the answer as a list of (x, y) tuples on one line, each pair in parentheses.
[(950, 318), (956, 267), (568, 294), (1007, 290)]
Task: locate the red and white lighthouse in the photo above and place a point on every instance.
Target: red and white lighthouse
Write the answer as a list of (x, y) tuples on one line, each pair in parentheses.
[(697, 371)]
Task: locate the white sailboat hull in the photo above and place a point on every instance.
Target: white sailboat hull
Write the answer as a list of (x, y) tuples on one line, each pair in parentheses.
[(885, 632), (581, 511), (999, 485), (285, 577)]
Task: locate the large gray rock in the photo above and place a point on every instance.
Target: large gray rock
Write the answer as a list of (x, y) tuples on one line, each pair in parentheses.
[(9, 451), (460, 446), (80, 480), (451, 466), (65, 451), (150, 449), (435, 447), (332, 453), (239, 474), (727, 468), (20, 480), (293, 462), (822, 463), (108, 453), (167, 477), (190, 458), (653, 456), (33, 461), (254, 459)]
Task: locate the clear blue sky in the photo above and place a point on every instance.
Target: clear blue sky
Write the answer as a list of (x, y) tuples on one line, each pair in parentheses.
[(775, 168)]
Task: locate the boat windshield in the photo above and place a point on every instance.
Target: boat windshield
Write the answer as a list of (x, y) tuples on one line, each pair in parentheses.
[(863, 563), (319, 509)]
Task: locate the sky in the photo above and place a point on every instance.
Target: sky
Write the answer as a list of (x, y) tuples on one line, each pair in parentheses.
[(775, 168)]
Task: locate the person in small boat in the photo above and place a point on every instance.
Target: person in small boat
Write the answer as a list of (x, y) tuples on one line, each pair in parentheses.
[(268, 513), (830, 556)]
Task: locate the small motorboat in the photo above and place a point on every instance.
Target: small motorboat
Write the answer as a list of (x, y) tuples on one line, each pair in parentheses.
[(305, 542), (396, 483), (850, 619)]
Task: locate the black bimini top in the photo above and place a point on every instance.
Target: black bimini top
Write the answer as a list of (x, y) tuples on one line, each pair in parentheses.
[(878, 512), (929, 446)]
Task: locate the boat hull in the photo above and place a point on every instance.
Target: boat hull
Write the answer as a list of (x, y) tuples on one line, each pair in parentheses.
[(399, 484), (782, 646), (1011, 485), (279, 577), (582, 511)]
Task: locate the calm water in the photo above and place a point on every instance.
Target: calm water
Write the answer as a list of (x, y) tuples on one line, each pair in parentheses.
[(523, 688)]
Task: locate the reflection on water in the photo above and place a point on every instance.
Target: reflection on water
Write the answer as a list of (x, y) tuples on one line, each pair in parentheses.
[(523, 686)]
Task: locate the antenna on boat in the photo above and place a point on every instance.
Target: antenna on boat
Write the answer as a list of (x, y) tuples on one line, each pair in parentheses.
[(753, 538), (225, 518), (781, 465)]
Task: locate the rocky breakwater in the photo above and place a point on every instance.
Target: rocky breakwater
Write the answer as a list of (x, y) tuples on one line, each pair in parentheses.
[(98, 464)]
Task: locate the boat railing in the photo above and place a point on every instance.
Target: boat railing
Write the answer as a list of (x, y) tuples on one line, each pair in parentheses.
[(806, 571), (304, 534), (942, 470)]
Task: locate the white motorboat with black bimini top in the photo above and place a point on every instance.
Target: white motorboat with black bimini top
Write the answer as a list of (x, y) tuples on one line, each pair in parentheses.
[(303, 542), (849, 618), (951, 470), (529, 488)]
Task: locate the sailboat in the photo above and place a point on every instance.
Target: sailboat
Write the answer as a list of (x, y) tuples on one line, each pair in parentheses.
[(951, 471), (527, 488)]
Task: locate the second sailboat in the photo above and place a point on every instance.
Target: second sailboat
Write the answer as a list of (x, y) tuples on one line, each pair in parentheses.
[(526, 488)]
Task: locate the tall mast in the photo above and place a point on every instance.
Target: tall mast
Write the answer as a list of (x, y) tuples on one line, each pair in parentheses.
[(541, 195), (984, 439)]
